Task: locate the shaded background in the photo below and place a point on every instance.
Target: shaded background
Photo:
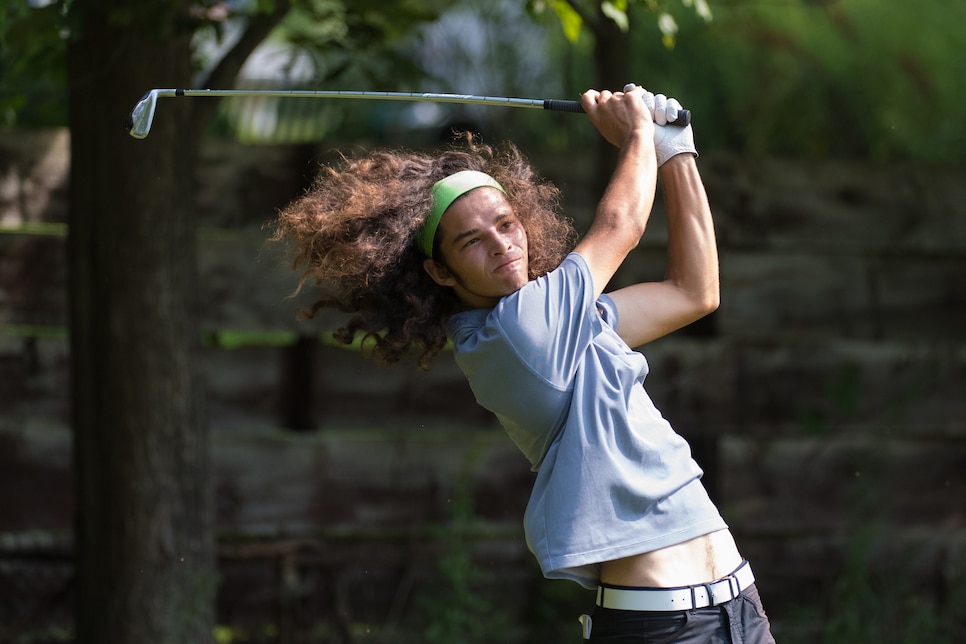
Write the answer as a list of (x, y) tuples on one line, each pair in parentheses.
[(349, 502)]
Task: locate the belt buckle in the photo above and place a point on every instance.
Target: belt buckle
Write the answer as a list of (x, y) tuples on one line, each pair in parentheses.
[(730, 583), (713, 593)]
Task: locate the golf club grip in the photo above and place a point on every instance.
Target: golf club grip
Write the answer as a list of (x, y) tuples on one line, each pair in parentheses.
[(559, 105)]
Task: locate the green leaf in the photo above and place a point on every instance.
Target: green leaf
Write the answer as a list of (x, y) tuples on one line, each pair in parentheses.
[(701, 8), (570, 20), (617, 11), (669, 29)]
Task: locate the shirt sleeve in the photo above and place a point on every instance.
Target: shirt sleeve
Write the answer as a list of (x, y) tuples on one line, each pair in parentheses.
[(550, 322), (608, 310)]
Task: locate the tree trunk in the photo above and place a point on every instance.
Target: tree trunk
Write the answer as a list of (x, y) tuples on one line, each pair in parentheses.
[(144, 537)]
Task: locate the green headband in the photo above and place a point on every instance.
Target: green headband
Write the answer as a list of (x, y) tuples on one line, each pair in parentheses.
[(445, 192)]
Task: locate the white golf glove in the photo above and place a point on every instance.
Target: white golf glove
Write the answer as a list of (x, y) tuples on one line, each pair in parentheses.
[(669, 140)]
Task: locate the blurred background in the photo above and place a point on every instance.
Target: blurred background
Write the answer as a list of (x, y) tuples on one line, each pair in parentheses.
[(183, 460)]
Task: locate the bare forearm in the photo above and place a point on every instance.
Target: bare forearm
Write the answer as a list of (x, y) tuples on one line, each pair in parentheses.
[(623, 211), (627, 202), (692, 249)]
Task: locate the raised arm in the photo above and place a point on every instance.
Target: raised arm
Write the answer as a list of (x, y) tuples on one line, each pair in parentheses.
[(647, 147), (690, 289), (621, 216)]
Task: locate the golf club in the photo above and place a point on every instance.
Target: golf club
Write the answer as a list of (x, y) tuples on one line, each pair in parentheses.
[(142, 116)]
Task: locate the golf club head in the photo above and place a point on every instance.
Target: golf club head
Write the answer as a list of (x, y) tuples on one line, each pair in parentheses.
[(142, 116)]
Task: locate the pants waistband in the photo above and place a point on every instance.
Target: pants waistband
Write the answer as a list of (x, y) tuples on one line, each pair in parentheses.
[(674, 599)]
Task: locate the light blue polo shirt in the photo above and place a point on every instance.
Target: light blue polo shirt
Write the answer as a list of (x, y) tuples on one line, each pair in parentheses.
[(614, 479)]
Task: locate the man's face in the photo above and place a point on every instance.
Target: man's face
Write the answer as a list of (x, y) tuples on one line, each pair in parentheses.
[(482, 249)]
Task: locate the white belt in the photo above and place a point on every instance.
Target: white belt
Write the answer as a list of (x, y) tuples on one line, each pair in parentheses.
[(684, 598)]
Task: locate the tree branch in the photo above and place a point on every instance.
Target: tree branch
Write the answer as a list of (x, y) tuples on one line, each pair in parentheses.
[(224, 73), (259, 27)]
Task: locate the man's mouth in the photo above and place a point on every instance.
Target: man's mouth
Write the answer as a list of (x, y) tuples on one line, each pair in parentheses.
[(507, 264)]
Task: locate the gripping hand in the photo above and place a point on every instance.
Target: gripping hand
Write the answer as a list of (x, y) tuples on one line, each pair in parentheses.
[(669, 140)]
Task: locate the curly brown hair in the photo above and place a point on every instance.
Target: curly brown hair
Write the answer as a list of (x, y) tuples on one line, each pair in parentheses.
[(355, 233)]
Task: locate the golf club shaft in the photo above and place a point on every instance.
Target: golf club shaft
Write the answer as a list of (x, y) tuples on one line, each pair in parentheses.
[(142, 116)]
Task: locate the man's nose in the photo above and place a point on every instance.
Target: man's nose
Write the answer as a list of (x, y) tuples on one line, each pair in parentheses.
[(499, 244)]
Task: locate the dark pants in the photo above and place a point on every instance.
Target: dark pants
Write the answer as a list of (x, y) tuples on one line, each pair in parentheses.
[(740, 621)]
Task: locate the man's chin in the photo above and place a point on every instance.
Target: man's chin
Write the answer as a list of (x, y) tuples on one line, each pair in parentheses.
[(515, 282)]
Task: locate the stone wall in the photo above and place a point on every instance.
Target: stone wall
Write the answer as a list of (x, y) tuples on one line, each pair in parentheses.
[(825, 398)]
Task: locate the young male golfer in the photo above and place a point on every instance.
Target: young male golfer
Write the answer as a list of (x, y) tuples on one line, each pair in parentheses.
[(469, 244)]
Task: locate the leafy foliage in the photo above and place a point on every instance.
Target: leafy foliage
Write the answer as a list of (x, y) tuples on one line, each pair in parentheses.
[(852, 78), (357, 37), (327, 44), (32, 49), (342, 40), (799, 78), (573, 14)]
